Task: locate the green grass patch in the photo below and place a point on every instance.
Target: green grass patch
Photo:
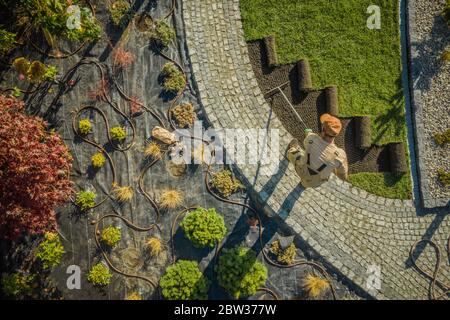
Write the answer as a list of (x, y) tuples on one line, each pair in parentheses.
[(388, 185), (365, 64)]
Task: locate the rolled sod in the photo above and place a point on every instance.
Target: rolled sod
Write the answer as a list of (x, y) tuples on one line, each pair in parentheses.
[(363, 132), (397, 157), (271, 51), (304, 75), (331, 94)]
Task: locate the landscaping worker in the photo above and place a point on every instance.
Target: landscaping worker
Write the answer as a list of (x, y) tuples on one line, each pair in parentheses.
[(321, 156)]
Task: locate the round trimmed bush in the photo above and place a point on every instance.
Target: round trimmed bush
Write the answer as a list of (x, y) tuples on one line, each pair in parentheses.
[(239, 272), (204, 227), (111, 236), (85, 200), (84, 126), (184, 281), (99, 275), (118, 133)]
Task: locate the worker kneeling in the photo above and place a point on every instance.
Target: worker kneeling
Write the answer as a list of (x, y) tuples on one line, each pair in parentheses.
[(321, 156)]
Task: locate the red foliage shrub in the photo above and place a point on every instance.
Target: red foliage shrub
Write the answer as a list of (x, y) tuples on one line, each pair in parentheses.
[(135, 105), (34, 167), (123, 58), (98, 93)]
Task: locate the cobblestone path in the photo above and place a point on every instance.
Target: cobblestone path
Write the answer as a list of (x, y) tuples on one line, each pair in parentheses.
[(351, 229)]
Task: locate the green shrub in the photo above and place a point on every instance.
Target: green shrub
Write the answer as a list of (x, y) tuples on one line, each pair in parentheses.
[(444, 177), (98, 160), (111, 236), (239, 273), (35, 71), (162, 33), (17, 284), (7, 41), (285, 256), (225, 184), (99, 275), (53, 18), (184, 114), (85, 200), (50, 250), (118, 133), (204, 227), (84, 126), (442, 138), (184, 281), (446, 12), (120, 12), (50, 74), (174, 80)]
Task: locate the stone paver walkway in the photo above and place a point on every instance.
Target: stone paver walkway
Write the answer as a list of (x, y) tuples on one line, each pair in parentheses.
[(351, 229)]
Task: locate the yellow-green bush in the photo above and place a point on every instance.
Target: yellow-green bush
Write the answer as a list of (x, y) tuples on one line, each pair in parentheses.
[(84, 126), (98, 160), (111, 236), (99, 275), (50, 251), (118, 133)]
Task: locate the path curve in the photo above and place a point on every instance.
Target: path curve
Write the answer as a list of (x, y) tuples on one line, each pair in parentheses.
[(349, 228)]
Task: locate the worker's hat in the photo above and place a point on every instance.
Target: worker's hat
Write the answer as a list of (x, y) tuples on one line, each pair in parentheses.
[(331, 125)]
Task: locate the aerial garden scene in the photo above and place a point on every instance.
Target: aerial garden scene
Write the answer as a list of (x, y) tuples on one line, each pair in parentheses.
[(224, 150)]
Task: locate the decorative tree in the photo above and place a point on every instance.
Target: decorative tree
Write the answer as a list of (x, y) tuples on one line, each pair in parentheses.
[(34, 167)]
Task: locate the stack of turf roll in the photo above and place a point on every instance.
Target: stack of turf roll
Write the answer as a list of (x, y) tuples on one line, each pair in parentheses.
[(363, 133), (304, 75), (397, 157), (331, 94), (271, 51)]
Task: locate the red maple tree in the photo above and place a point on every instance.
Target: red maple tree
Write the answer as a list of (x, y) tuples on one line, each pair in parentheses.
[(34, 172)]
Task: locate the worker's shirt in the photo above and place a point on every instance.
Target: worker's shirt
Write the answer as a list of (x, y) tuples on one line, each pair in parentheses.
[(320, 160)]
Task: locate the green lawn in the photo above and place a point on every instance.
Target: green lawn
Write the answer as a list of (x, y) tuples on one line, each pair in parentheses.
[(365, 64)]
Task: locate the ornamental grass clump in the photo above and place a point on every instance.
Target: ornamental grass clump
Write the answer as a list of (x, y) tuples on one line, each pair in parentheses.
[(171, 199), (118, 133), (284, 256), (184, 281), (84, 126), (239, 272), (154, 246), (98, 160), (99, 275), (204, 227), (50, 251), (162, 33), (123, 194), (85, 200), (315, 286), (133, 296), (184, 114), (153, 150), (173, 78), (224, 183), (111, 236)]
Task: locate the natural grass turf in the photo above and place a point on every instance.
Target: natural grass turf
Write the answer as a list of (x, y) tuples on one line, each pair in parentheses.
[(388, 185), (365, 64)]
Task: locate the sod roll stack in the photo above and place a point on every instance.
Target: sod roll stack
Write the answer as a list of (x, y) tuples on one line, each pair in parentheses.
[(304, 75), (363, 133), (331, 94), (271, 51), (397, 157)]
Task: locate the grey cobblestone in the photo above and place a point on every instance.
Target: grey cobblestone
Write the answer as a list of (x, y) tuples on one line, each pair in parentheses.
[(348, 227)]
